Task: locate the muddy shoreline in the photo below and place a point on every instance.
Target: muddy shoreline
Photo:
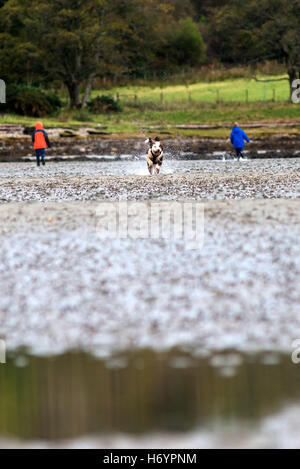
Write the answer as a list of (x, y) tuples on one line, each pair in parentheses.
[(89, 144)]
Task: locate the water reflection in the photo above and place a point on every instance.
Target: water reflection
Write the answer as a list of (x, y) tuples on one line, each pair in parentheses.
[(76, 393)]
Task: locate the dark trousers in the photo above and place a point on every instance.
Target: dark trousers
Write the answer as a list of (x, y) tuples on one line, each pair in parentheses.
[(40, 153), (239, 152)]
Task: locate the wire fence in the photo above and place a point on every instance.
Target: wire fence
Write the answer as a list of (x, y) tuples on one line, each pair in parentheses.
[(217, 96)]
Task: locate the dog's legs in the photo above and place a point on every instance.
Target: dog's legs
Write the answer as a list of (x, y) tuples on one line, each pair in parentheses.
[(150, 165), (158, 164)]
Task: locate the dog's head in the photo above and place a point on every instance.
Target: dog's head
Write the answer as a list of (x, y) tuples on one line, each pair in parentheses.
[(155, 145)]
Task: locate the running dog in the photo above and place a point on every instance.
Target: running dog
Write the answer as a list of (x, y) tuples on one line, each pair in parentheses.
[(154, 155)]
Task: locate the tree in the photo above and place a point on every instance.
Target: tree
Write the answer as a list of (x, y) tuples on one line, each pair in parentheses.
[(75, 41), (18, 56), (206, 8), (281, 34), (257, 30), (188, 43)]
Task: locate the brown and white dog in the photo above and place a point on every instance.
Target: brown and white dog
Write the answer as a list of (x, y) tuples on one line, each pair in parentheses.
[(154, 155)]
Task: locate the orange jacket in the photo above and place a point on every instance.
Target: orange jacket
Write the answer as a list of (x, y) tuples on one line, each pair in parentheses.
[(40, 138)]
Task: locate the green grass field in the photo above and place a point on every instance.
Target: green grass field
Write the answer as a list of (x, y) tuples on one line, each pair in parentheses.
[(201, 106), (238, 90)]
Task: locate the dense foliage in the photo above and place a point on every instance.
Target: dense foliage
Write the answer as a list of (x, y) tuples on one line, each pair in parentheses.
[(73, 42), (104, 104), (30, 101), (258, 30)]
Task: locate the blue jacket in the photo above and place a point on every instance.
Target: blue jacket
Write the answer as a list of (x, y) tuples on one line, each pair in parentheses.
[(237, 137)]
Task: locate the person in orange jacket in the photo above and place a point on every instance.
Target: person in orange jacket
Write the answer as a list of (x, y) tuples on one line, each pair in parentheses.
[(40, 142)]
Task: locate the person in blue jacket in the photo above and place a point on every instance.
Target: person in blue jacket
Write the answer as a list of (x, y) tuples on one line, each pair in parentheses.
[(238, 138)]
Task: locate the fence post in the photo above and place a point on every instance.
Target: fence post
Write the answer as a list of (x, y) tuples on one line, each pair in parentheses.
[(117, 97), (2, 351), (135, 99), (218, 96), (2, 92)]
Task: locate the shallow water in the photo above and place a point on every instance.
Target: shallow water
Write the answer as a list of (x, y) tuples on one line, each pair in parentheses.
[(139, 393), (197, 180), (138, 167)]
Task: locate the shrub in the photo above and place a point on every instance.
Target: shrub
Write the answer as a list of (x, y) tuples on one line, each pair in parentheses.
[(83, 115), (103, 104), (188, 44), (30, 101), (54, 100)]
